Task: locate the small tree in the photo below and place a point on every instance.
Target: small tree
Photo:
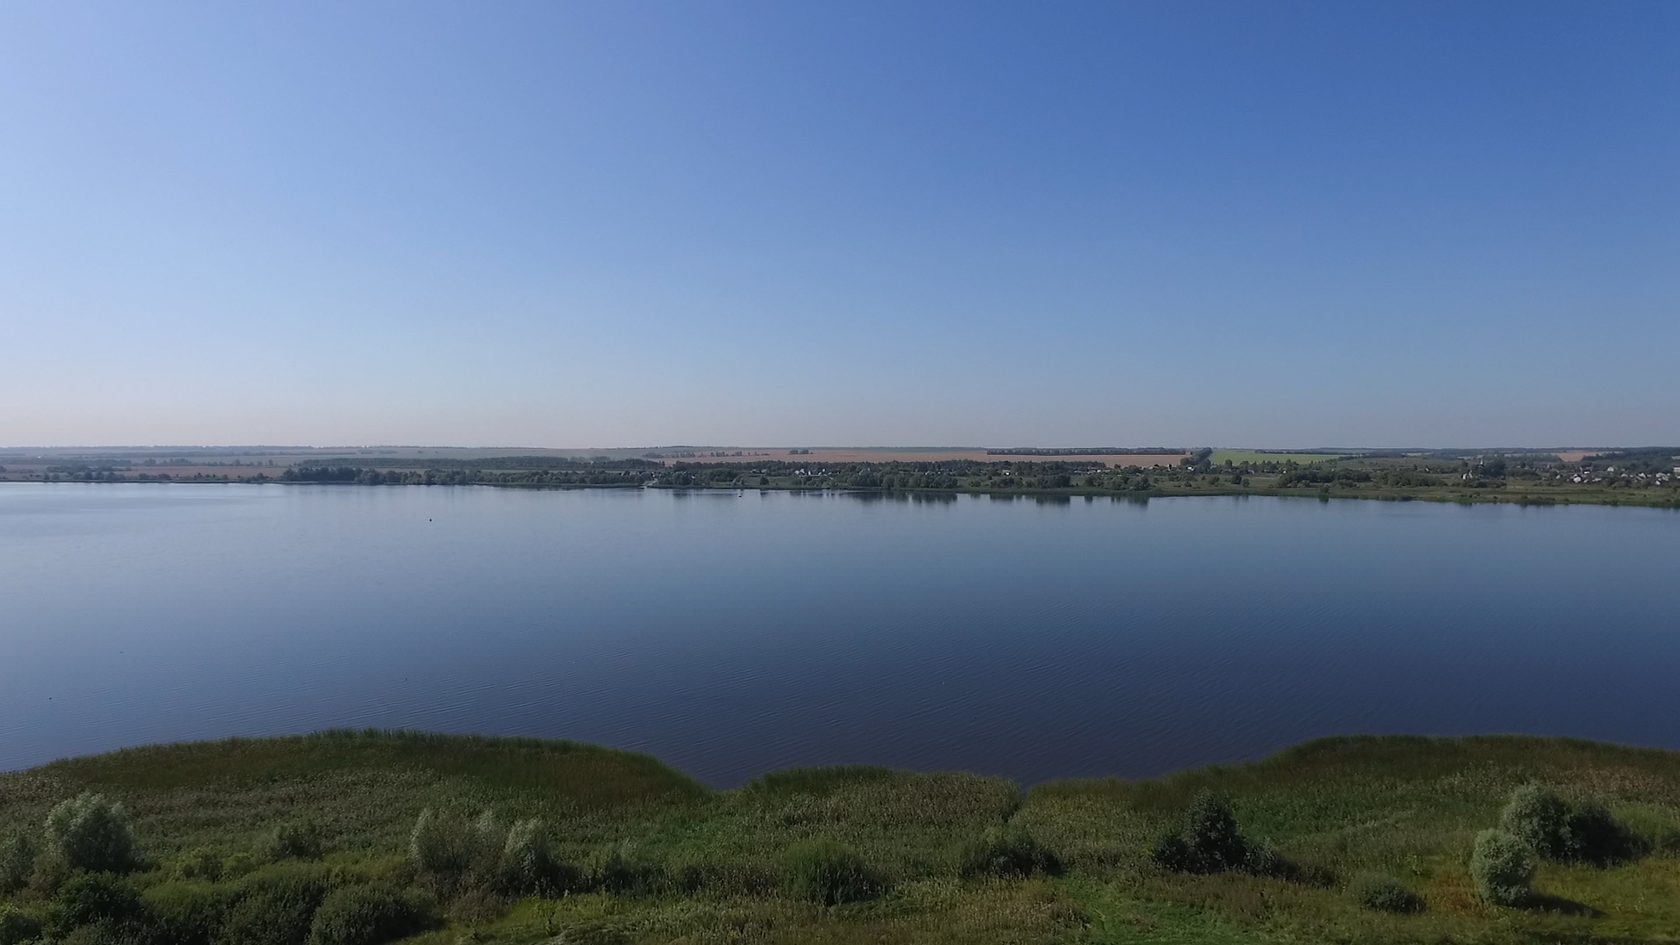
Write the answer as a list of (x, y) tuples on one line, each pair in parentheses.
[(1503, 867), (91, 833), (1208, 841)]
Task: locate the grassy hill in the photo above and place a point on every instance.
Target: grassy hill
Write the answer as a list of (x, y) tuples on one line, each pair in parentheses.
[(650, 855)]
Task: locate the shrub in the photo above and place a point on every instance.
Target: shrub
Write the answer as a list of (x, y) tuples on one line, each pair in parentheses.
[(832, 873), (369, 915), (17, 927), (88, 898), (198, 863), (1209, 840), (528, 864), (189, 913), (619, 870), (299, 840), (1503, 867), (1262, 858), (1538, 817), (1384, 894), (1559, 830), (276, 908), (446, 847), (17, 863), (1595, 837), (1007, 851), (90, 833)]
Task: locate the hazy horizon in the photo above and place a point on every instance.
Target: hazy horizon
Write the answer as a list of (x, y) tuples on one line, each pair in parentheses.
[(1288, 224)]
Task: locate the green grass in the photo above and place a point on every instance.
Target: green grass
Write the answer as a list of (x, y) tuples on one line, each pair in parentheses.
[(1407, 808)]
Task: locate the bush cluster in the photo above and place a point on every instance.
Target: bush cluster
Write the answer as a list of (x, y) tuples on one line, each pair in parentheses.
[(189, 913), (87, 898), (368, 915), (1557, 829), (456, 855), (276, 908)]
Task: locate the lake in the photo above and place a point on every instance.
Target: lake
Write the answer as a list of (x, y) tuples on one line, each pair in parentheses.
[(731, 634)]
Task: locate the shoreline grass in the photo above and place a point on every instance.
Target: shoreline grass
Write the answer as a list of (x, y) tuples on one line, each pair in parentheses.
[(644, 853)]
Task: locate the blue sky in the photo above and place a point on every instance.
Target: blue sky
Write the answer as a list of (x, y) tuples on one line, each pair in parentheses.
[(595, 224)]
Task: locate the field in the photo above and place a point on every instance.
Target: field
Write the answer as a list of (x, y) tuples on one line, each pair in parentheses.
[(820, 455), (1242, 457), (664, 859)]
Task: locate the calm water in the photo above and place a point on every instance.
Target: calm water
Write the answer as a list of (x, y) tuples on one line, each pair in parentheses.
[(733, 634)]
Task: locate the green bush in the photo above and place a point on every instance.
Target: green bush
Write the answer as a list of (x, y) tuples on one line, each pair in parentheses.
[(87, 898), (1502, 866), (832, 873), (370, 915), (447, 848), (1559, 830), (198, 863), (276, 907), (528, 864), (299, 840), (1538, 817), (1381, 893), (1208, 841), (189, 913), (619, 870), (91, 833), (1007, 851), (17, 863), (16, 926), (1596, 837)]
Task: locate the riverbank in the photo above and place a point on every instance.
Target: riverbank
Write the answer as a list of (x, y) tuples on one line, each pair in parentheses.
[(651, 855)]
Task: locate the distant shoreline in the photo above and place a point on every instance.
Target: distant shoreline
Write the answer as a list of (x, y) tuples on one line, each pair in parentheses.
[(1439, 496)]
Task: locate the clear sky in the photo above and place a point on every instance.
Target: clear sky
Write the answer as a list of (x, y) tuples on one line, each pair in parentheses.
[(632, 223)]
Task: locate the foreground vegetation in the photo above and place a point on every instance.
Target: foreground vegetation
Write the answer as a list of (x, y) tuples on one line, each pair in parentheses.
[(362, 838)]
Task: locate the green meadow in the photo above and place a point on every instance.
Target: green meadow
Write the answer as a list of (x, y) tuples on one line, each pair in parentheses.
[(314, 841), (1249, 457)]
